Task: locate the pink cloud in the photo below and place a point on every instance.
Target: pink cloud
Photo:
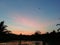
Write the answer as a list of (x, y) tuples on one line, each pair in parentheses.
[(29, 23), (25, 21), (16, 30)]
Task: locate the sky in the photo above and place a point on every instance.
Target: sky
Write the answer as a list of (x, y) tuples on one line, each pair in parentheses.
[(29, 16)]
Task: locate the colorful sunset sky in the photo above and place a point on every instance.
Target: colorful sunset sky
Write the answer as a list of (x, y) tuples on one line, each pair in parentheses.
[(28, 16)]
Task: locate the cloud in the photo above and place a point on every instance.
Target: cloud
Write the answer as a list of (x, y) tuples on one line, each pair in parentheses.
[(24, 21), (29, 24)]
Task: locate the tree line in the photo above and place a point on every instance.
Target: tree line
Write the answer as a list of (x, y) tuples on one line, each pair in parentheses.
[(6, 36)]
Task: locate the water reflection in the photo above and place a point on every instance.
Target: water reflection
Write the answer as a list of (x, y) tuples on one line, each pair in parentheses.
[(23, 43), (31, 43), (38, 43)]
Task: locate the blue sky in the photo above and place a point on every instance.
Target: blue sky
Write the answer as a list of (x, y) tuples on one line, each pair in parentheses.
[(30, 15)]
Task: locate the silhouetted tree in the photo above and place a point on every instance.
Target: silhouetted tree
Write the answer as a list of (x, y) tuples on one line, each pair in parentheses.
[(58, 25), (3, 27), (47, 33), (58, 29), (37, 33), (53, 32)]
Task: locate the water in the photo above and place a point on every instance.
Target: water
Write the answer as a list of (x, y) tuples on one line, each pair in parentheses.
[(23, 43)]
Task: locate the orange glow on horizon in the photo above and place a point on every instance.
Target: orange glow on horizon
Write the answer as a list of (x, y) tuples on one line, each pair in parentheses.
[(18, 31), (22, 32), (26, 25)]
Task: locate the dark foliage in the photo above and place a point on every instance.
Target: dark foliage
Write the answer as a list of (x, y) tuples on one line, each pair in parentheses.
[(52, 38)]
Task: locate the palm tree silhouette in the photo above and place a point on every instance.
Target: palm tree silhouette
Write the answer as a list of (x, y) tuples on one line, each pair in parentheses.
[(3, 27), (58, 28)]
